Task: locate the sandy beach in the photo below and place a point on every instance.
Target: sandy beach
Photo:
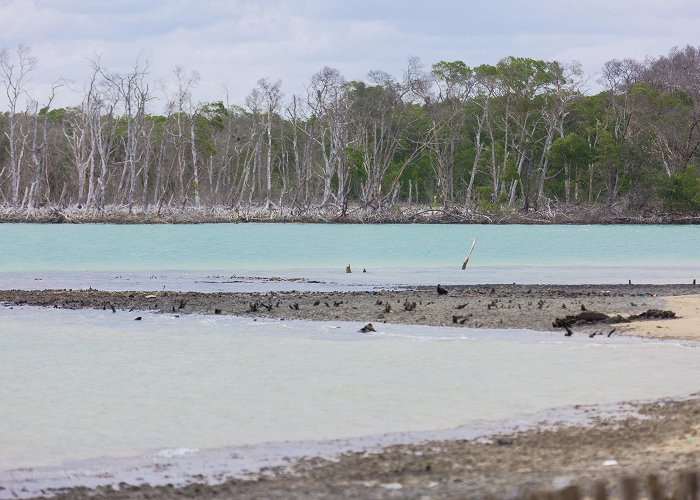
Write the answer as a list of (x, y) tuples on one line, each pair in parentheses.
[(685, 326), (655, 438)]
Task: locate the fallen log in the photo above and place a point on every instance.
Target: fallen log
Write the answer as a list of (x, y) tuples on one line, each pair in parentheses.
[(598, 317), (582, 317), (653, 314)]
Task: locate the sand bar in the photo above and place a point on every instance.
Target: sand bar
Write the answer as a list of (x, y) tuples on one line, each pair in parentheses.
[(478, 306)]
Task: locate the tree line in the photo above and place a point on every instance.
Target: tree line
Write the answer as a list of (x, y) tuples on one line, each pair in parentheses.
[(519, 135)]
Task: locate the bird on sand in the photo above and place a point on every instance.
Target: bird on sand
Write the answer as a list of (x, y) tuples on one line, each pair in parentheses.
[(441, 290)]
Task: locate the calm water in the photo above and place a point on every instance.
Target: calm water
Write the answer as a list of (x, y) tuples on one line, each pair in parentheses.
[(77, 385), (85, 384), (234, 256)]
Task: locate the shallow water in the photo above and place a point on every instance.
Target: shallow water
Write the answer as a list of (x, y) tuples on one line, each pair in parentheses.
[(231, 257), (77, 385), (86, 384)]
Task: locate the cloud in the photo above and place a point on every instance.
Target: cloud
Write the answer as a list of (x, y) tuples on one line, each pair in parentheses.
[(236, 42)]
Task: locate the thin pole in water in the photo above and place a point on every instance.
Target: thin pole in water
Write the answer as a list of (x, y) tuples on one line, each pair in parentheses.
[(466, 260)]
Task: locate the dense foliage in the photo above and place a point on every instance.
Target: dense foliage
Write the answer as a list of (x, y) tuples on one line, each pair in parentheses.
[(518, 135)]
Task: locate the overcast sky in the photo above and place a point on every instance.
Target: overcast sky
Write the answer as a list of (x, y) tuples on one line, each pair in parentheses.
[(236, 42)]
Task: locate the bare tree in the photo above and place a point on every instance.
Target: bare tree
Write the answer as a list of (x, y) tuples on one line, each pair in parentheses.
[(180, 107), (673, 116), (76, 130), (39, 147), (384, 122), (271, 97), (133, 93), (327, 100), (301, 156), (14, 71), (253, 157), (100, 105)]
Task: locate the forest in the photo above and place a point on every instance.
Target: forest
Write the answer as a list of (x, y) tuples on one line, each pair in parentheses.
[(520, 136)]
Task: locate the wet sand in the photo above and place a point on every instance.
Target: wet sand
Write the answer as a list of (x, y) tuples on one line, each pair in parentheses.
[(663, 438)]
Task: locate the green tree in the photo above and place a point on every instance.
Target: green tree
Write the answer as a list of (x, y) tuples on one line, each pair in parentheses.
[(681, 191), (571, 154)]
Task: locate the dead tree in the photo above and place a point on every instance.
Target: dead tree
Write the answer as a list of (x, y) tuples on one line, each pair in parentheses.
[(13, 75)]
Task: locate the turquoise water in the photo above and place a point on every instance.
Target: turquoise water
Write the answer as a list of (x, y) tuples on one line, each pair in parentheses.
[(77, 385), (207, 256)]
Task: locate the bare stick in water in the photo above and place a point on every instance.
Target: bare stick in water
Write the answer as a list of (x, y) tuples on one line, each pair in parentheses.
[(466, 260)]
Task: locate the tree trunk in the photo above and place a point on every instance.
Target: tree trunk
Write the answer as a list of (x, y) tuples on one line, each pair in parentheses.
[(195, 165), (268, 163)]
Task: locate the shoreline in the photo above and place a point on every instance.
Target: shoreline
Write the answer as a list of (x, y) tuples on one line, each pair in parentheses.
[(577, 445), (407, 214), (535, 307)]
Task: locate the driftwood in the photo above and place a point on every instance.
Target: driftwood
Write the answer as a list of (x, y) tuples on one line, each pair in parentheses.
[(582, 317), (653, 314), (598, 317), (168, 211), (460, 319)]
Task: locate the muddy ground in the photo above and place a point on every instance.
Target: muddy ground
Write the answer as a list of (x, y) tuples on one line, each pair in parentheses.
[(480, 306)]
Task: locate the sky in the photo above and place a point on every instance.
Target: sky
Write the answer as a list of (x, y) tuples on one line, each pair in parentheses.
[(231, 44)]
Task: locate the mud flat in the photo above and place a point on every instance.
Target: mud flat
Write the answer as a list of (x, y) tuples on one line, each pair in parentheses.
[(479, 306)]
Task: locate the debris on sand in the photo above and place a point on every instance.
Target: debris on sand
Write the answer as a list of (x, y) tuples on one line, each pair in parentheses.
[(598, 317), (582, 317)]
